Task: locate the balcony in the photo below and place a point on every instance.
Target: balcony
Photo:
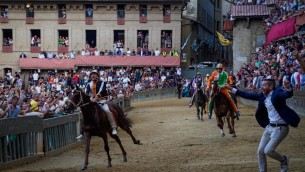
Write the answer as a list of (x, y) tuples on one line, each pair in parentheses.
[(3, 19), (35, 49), (89, 20), (63, 49), (30, 20), (166, 19), (121, 21), (143, 19), (61, 20), (7, 49)]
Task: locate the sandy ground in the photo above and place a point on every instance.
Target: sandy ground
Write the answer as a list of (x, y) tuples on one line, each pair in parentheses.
[(174, 140)]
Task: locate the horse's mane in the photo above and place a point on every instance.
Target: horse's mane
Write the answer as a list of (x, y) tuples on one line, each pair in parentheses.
[(92, 114)]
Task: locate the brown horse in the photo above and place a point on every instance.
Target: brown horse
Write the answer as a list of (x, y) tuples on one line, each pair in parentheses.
[(223, 109), (95, 123), (200, 101)]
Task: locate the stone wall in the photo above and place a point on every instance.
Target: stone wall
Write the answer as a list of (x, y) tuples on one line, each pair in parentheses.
[(297, 102), (244, 40)]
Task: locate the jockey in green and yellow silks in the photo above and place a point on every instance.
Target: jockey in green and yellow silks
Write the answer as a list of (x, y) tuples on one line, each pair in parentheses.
[(222, 78)]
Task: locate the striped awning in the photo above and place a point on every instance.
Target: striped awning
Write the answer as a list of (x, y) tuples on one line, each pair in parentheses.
[(45, 63), (250, 10)]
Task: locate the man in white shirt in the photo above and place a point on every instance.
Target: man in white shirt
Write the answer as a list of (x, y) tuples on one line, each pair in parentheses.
[(35, 77), (125, 81), (275, 116), (157, 52), (97, 53), (163, 77), (128, 52)]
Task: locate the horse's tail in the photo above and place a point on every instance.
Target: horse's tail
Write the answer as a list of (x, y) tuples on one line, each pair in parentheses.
[(128, 121)]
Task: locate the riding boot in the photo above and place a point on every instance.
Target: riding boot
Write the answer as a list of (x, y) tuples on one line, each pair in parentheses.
[(233, 105), (112, 122), (211, 106), (192, 99)]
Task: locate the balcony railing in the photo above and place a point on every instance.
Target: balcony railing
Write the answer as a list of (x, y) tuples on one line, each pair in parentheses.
[(7, 49)]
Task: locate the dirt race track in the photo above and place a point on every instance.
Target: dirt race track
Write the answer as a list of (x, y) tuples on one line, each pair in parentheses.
[(174, 140)]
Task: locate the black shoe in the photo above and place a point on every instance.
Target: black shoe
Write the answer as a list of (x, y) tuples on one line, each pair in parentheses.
[(284, 165)]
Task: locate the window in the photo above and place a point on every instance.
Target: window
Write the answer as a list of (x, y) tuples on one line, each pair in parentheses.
[(89, 11), (63, 38), (119, 41), (7, 37), (35, 38), (166, 10), (4, 11), (142, 39), (62, 11), (29, 10), (166, 39), (143, 10), (90, 38), (121, 11), (218, 4)]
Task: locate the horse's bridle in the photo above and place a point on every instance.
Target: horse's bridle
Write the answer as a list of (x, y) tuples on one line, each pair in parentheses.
[(81, 102)]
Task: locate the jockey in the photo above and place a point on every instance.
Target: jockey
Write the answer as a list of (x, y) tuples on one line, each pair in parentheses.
[(96, 89), (198, 80), (222, 78), (206, 80)]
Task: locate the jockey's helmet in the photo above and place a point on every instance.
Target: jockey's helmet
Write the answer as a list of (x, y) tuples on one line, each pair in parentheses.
[(94, 71), (219, 66), (198, 73), (207, 75)]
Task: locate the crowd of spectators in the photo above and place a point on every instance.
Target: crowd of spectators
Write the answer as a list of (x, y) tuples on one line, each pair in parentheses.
[(284, 10), (96, 52), (278, 60), (46, 93)]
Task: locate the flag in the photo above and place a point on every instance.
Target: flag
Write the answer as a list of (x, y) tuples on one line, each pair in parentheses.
[(224, 41), (187, 39)]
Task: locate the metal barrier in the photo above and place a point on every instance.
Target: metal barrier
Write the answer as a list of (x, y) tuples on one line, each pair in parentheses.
[(20, 137), (154, 94), (25, 139)]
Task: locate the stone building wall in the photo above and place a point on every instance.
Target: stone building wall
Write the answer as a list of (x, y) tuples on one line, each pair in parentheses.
[(245, 41), (104, 22)]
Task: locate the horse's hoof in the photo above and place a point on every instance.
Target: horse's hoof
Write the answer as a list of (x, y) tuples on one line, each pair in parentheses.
[(138, 142), (124, 159), (84, 167), (222, 134), (234, 135), (109, 166)]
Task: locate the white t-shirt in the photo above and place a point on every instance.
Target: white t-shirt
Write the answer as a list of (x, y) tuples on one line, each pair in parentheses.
[(35, 76)]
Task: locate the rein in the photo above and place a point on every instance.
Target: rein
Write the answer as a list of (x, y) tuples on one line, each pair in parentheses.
[(80, 103)]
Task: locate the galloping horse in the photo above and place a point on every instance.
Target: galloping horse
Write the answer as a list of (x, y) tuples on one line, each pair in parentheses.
[(200, 101), (223, 109), (95, 123)]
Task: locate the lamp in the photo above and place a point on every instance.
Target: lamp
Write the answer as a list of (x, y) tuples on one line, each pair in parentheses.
[(232, 18), (28, 5), (38, 70)]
